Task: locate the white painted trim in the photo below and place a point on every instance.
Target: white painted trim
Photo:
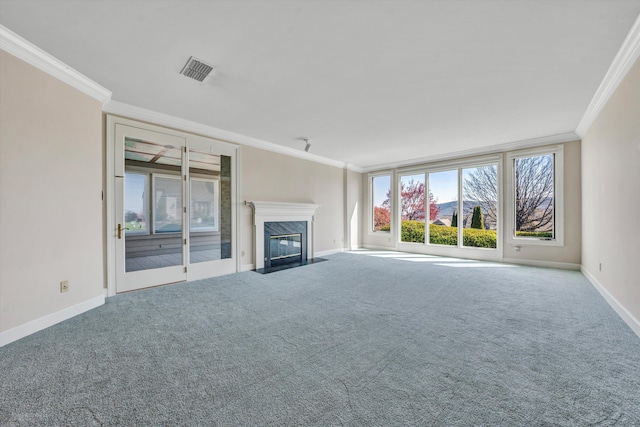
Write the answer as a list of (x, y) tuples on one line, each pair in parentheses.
[(628, 318), (139, 113), (370, 207), (31, 54), (546, 264), (247, 267), (493, 149), (329, 252), (380, 248), (44, 322), (625, 58), (354, 168)]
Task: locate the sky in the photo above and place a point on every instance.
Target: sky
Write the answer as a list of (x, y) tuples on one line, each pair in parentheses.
[(443, 185)]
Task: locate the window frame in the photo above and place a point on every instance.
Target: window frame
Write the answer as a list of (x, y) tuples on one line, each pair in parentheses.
[(499, 205), (496, 160), (557, 152), (370, 225), (398, 210)]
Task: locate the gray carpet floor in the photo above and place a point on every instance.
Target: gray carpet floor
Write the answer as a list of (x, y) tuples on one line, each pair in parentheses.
[(359, 340)]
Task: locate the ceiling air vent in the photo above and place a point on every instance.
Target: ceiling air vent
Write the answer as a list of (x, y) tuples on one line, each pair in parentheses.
[(196, 69)]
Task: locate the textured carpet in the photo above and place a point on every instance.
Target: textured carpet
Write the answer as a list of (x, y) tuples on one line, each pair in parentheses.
[(358, 340)]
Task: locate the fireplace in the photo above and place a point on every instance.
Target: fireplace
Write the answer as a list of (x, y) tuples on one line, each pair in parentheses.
[(283, 234), (285, 243)]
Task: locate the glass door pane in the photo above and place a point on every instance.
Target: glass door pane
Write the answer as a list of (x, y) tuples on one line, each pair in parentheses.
[(153, 209), (210, 207), (443, 207)]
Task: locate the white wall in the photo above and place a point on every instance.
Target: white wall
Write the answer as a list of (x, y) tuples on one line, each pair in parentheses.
[(353, 209), (51, 189), (611, 197), (273, 177)]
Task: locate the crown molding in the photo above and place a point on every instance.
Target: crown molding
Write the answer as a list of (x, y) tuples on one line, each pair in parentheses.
[(143, 114), (623, 61), (492, 149), (354, 168), (31, 54)]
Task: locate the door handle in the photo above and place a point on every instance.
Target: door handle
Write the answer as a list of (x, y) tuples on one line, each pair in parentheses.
[(120, 228)]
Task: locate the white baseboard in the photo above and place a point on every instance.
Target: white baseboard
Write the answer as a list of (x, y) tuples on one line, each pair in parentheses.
[(537, 263), (44, 322), (247, 267), (329, 252), (379, 248), (628, 318)]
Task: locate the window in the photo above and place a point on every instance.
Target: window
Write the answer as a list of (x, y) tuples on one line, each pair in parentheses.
[(480, 206), (536, 197), (454, 203), (443, 206), (412, 208), (381, 203)]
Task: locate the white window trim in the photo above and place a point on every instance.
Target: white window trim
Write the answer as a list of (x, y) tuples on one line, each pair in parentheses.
[(558, 197), (370, 178)]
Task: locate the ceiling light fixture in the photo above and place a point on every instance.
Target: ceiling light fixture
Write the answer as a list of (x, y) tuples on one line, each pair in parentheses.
[(308, 146), (196, 69)]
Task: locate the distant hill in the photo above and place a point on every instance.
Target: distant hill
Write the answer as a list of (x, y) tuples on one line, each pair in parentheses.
[(446, 209)]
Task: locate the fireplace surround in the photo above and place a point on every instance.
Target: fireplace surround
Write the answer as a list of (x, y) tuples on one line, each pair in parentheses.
[(282, 219)]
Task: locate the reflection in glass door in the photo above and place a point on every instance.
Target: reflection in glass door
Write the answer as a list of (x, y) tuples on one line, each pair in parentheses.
[(174, 207), (210, 207), (152, 205)]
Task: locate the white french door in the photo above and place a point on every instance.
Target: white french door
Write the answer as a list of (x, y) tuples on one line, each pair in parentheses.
[(174, 207)]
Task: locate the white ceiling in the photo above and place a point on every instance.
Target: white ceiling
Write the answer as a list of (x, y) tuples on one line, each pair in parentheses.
[(368, 82)]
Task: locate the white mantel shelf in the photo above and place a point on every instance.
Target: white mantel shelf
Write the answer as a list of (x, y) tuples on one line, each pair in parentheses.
[(283, 209), (280, 211)]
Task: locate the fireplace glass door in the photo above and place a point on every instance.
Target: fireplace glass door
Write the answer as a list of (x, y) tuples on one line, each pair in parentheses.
[(285, 248)]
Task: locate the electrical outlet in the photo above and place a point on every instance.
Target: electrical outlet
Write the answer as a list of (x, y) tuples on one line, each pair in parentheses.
[(64, 286)]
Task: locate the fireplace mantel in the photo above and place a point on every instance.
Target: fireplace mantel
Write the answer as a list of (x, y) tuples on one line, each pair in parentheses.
[(280, 211)]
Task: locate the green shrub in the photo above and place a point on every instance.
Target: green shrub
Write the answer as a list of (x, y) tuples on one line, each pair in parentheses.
[(413, 232), (479, 238), (534, 233), (443, 235)]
